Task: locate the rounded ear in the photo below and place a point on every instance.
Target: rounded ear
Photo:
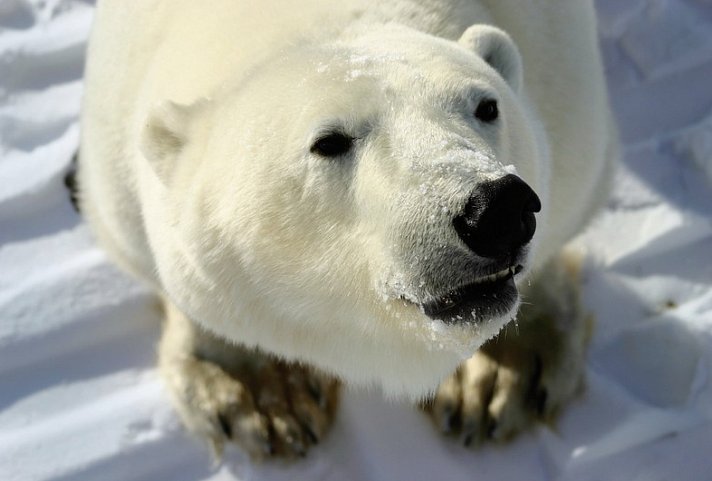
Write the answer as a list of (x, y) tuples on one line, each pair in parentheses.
[(164, 135), (497, 49)]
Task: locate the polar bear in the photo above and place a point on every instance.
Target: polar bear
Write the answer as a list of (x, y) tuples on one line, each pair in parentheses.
[(355, 192)]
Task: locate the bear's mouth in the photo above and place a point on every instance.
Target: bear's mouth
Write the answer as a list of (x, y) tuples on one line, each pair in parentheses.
[(487, 297)]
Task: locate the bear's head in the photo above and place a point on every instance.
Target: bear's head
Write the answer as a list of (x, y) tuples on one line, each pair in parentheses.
[(367, 205)]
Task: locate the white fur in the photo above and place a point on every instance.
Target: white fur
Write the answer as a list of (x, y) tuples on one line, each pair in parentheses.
[(196, 173)]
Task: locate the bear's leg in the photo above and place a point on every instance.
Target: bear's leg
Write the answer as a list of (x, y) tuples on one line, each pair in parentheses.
[(529, 371), (70, 182), (228, 392)]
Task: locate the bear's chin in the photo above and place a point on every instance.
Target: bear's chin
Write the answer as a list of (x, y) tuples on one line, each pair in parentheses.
[(429, 350)]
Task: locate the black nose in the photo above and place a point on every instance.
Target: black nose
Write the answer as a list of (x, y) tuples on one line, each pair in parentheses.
[(499, 217)]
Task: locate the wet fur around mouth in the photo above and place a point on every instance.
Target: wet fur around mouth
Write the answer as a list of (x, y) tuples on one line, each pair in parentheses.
[(476, 301)]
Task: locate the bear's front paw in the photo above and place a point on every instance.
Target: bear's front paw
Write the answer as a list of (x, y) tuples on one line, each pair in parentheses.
[(496, 396), (268, 407), (526, 373)]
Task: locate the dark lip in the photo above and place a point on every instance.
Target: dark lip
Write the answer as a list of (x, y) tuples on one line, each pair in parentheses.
[(475, 301)]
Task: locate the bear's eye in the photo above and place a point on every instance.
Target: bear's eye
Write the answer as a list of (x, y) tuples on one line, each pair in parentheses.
[(487, 111), (332, 144)]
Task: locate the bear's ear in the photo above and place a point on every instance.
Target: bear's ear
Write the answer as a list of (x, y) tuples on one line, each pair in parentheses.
[(497, 49), (164, 136)]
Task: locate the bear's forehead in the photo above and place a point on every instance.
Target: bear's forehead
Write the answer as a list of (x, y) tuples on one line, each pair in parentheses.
[(371, 75), (430, 65), (384, 52), (401, 58)]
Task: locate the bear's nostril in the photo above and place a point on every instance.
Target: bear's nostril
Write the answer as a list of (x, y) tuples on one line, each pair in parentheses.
[(499, 217), (533, 204)]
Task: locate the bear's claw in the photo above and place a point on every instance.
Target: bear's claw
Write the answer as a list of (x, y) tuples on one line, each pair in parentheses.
[(269, 407), (526, 373)]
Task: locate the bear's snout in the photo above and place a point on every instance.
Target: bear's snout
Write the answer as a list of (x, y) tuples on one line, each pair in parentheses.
[(498, 218)]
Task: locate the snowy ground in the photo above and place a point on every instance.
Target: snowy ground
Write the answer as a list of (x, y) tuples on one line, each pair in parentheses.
[(79, 395)]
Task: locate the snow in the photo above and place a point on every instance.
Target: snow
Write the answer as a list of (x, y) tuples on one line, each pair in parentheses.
[(665, 37), (79, 394), (697, 145)]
